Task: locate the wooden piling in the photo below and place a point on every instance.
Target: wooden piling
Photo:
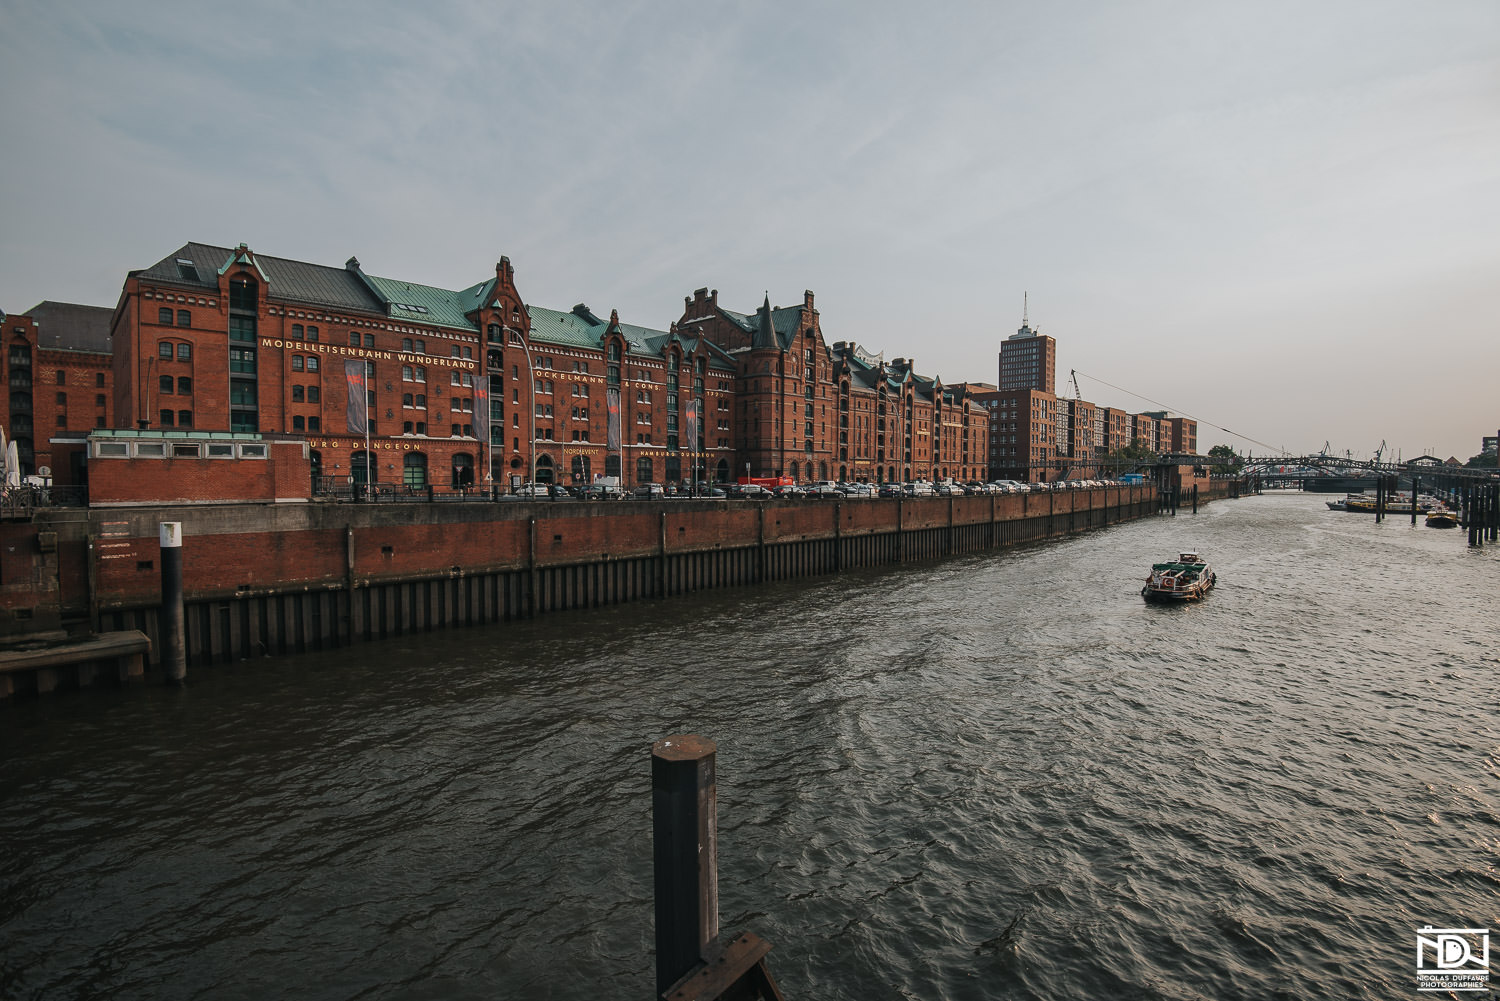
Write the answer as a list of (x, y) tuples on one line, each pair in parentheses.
[(173, 630), (691, 963), (685, 845)]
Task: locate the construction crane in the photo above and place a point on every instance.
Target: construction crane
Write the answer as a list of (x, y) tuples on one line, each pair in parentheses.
[(1077, 393), (1380, 451)]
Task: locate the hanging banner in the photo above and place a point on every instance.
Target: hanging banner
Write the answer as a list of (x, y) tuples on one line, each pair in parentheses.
[(482, 408), (357, 414), (692, 426), (612, 404)]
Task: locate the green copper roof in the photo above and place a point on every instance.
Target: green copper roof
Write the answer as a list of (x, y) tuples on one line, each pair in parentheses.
[(425, 304)]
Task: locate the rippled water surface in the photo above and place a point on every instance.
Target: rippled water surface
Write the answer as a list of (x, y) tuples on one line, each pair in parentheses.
[(1000, 776)]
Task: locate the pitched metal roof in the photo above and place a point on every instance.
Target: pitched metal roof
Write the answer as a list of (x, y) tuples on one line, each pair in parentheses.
[(286, 280), (580, 327), (770, 326), (425, 304), (66, 326)]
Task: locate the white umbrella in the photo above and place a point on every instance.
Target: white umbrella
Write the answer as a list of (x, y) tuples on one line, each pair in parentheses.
[(12, 466)]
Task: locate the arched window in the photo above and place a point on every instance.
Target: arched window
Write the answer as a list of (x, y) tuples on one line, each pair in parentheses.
[(612, 465), (414, 470), (792, 472), (644, 470), (544, 469), (463, 471), (721, 473), (581, 469)]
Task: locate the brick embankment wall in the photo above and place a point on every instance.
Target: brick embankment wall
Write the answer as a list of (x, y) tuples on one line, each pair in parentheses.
[(273, 579)]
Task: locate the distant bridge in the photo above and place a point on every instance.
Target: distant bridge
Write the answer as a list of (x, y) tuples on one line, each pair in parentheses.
[(1297, 467)]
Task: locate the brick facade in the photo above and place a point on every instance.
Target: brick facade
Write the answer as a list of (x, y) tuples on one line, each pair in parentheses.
[(58, 380)]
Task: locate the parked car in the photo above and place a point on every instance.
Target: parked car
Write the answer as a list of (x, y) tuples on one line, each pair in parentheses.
[(891, 490), (824, 489), (540, 490), (749, 491), (649, 491), (918, 488), (604, 491), (789, 490)]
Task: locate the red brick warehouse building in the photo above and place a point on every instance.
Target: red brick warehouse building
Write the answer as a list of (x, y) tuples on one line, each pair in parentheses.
[(459, 383), (58, 380)]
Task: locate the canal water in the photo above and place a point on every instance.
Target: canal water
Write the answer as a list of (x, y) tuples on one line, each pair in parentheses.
[(998, 776)]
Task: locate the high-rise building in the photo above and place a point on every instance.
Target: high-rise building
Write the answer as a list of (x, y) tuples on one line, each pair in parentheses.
[(1028, 360)]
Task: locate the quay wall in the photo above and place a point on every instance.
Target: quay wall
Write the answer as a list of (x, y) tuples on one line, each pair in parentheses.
[(272, 579)]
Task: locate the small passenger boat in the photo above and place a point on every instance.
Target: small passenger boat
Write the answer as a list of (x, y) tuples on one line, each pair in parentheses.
[(1188, 579), (1441, 517)]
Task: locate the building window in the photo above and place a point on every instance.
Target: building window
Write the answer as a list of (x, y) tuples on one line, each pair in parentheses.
[(164, 350), (414, 470), (296, 363), (184, 386), (312, 363), (354, 338), (242, 295), (299, 424), (312, 332), (184, 318), (184, 418), (168, 418), (166, 384), (369, 340), (184, 352), (164, 316), (297, 392), (314, 424)]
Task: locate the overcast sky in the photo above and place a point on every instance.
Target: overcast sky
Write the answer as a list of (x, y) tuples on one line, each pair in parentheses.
[(1278, 218)]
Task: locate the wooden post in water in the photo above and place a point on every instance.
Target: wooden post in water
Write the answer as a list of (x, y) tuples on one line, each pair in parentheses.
[(1414, 483), (173, 642), (1195, 498), (685, 846), (691, 963)]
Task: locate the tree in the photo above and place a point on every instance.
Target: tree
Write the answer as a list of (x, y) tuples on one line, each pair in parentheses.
[(1484, 460), (1130, 456), (1230, 460)]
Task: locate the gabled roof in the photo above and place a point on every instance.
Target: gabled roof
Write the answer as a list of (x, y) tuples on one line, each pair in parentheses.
[(66, 326), (768, 327)]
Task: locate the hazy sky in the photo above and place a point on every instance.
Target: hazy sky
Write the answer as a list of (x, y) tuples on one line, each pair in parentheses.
[(1279, 218)]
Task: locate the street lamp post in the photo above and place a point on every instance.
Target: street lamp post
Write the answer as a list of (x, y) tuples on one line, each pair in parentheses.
[(530, 374)]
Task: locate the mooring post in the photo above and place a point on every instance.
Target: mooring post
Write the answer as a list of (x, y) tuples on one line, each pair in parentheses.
[(173, 643), (685, 846), (1195, 498)]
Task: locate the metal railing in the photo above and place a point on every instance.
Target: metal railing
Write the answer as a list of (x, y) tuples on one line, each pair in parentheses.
[(24, 499)]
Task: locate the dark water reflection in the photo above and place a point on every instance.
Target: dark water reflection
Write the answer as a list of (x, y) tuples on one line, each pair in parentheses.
[(1002, 776)]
